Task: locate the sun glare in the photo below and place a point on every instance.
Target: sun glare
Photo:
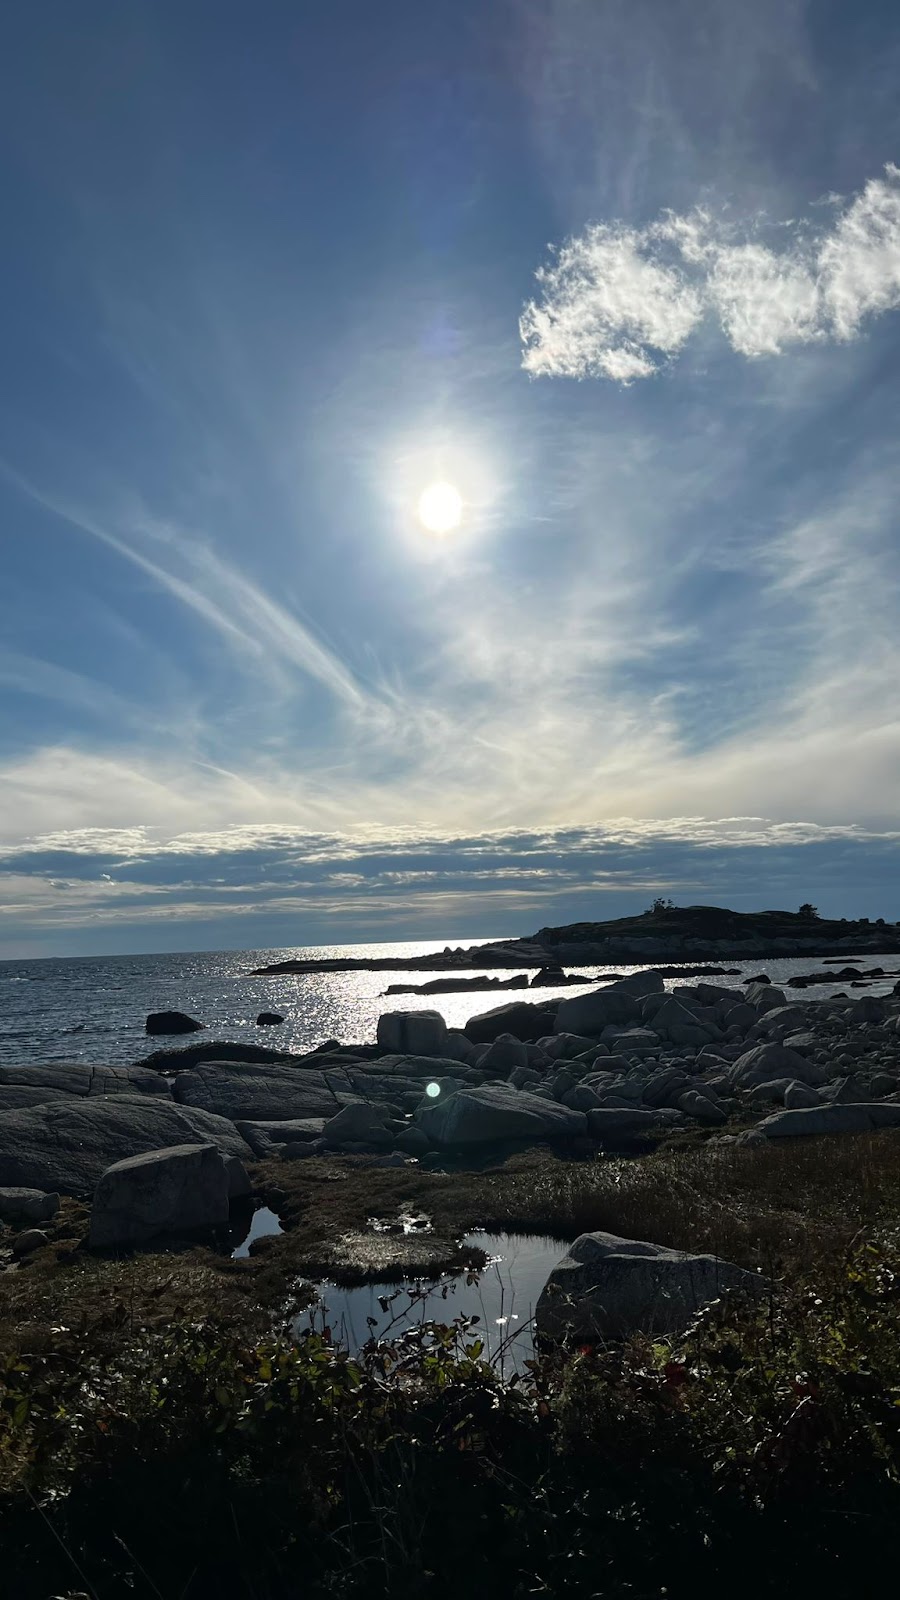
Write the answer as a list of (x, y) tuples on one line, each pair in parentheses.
[(440, 508)]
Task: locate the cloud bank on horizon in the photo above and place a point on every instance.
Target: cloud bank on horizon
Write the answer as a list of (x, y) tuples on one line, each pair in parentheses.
[(620, 302), (255, 301)]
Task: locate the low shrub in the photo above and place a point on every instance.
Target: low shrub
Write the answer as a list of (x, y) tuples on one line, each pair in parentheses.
[(761, 1451)]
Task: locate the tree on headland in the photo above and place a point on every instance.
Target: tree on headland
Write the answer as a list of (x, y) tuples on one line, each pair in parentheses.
[(809, 911), (659, 907)]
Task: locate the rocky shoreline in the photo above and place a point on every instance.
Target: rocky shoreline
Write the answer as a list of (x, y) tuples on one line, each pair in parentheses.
[(624, 1068)]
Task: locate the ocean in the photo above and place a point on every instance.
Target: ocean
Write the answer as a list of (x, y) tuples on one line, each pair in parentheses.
[(93, 1008)]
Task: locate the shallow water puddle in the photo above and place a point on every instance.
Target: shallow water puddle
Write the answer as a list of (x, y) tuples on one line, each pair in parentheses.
[(502, 1295), (407, 1222), (262, 1222)]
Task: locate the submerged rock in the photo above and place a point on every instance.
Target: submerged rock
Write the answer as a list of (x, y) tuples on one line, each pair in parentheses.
[(610, 1288)]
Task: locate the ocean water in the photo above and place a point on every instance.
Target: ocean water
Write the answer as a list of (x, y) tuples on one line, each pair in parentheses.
[(93, 1008)]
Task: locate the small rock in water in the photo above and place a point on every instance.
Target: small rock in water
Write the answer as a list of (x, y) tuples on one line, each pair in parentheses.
[(269, 1019), (172, 1022)]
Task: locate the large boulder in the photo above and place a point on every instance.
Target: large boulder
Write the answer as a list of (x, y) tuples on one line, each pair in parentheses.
[(767, 1062), (610, 1288), (183, 1189), (357, 1124), (590, 1013), (640, 984), (415, 1033), (829, 1119), (495, 1113), (256, 1094), (800, 1097), (172, 1022), (505, 1054), (764, 996), (523, 1021), (65, 1145), (673, 1021), (20, 1208)]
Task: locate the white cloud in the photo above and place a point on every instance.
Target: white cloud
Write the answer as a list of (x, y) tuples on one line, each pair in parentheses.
[(619, 302), (606, 304)]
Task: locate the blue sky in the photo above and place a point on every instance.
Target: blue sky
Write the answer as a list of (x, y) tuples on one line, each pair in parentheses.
[(626, 273)]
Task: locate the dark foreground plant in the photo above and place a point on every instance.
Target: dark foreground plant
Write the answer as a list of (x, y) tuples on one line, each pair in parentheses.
[(759, 1454)]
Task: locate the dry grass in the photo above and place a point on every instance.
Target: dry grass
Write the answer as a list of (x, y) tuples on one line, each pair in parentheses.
[(787, 1207), (780, 1206)]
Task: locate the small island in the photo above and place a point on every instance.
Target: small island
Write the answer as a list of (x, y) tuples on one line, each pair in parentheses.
[(665, 932)]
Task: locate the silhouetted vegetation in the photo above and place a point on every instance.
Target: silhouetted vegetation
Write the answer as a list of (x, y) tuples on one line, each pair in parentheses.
[(761, 1450), (155, 1440)]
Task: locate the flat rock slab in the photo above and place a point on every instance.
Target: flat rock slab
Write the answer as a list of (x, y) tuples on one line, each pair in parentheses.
[(496, 1113), (66, 1145), (182, 1189), (830, 1119), (610, 1288), (182, 1058), (265, 1138), (59, 1078), (256, 1094)]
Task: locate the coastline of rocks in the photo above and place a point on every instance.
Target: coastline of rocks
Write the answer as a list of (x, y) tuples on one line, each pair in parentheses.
[(618, 1069)]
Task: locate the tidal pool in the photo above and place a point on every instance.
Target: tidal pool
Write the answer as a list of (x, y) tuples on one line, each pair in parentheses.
[(502, 1295), (262, 1222)]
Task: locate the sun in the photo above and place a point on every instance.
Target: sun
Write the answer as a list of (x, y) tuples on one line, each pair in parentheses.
[(440, 508)]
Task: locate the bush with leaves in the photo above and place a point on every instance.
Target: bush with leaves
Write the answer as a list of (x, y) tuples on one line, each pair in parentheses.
[(761, 1450)]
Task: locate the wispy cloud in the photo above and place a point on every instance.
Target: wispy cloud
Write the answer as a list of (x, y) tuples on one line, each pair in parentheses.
[(619, 302), (212, 587)]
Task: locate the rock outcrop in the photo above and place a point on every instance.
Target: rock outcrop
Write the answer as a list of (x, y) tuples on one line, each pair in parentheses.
[(180, 1189), (610, 1288), (66, 1145), (496, 1113)]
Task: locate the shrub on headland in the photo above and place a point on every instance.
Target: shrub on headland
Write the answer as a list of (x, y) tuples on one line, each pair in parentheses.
[(760, 1451)]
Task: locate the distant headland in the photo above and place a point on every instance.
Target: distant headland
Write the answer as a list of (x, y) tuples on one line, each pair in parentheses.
[(671, 933)]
